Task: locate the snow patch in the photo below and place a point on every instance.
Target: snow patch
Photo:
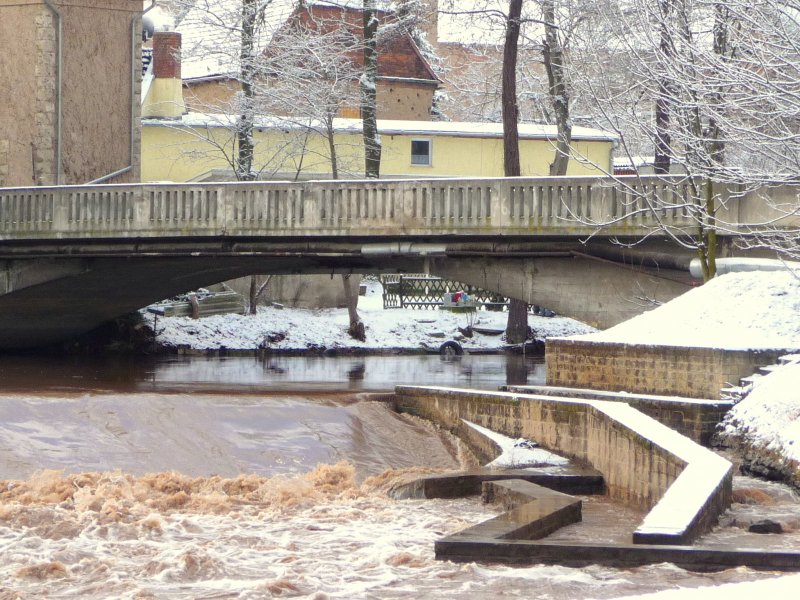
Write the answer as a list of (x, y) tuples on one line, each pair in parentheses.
[(769, 417), (737, 311), (300, 329), (517, 453)]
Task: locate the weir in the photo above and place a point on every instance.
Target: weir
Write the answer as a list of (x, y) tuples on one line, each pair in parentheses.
[(644, 463)]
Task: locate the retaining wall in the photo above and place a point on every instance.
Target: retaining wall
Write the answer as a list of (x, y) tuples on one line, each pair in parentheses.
[(696, 418), (644, 463), (669, 370)]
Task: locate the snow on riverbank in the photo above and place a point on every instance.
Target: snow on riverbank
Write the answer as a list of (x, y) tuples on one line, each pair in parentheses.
[(733, 311), (770, 415), (766, 424), (300, 329)]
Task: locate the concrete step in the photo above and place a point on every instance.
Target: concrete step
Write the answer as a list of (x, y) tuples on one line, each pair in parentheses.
[(571, 480), (532, 512)]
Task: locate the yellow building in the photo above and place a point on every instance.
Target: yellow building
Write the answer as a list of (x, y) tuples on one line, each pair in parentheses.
[(201, 147)]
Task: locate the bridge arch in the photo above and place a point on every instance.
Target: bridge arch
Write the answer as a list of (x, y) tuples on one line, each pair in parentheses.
[(48, 300)]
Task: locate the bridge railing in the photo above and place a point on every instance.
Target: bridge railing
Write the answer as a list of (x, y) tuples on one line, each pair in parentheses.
[(519, 206)]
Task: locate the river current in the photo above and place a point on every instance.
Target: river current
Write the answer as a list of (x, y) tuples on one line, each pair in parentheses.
[(257, 478)]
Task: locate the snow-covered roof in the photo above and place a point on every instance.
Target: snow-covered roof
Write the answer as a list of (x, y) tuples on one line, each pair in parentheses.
[(211, 33), (633, 161), (482, 129), (392, 127)]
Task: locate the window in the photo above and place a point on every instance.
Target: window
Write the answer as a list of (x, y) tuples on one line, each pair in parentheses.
[(421, 152)]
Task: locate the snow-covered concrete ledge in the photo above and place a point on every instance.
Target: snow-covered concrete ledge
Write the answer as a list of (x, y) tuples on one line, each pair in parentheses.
[(696, 498), (696, 418), (685, 486)]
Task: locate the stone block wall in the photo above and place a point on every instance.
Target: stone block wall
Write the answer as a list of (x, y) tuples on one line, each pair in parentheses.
[(644, 463), (667, 370), (695, 418), (636, 471), (45, 117), (4, 160)]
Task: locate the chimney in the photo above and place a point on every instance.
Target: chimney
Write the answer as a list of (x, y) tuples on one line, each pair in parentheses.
[(431, 24), (164, 97)]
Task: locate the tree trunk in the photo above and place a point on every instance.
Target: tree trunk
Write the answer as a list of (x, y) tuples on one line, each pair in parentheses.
[(251, 309), (553, 57), (369, 93), (511, 164), (716, 142), (663, 139), (256, 291), (517, 326), (330, 133), (244, 127), (356, 329)]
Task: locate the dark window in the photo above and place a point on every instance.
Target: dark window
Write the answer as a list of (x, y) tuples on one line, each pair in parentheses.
[(421, 152)]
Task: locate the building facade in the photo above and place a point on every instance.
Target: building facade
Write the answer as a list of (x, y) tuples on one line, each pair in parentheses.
[(70, 94)]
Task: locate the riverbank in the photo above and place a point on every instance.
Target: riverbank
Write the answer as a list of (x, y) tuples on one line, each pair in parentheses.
[(764, 428), (294, 331)]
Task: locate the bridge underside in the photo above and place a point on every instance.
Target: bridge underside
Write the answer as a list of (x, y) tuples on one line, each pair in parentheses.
[(46, 296)]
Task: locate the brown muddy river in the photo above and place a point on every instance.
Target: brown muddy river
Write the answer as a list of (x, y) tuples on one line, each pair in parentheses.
[(249, 478)]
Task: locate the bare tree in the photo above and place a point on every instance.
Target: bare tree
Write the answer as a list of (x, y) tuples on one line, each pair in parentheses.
[(369, 92), (517, 325), (252, 10), (715, 88), (554, 63), (257, 290)]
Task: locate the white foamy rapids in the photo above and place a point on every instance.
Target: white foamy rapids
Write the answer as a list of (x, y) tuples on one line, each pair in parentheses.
[(316, 536)]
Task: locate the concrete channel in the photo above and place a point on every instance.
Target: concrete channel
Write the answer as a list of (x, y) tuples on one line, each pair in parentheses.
[(643, 463)]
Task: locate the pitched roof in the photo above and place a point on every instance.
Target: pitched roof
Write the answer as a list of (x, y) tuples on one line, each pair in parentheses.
[(398, 55), (211, 32)]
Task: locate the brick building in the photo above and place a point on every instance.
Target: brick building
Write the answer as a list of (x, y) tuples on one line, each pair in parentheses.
[(406, 82)]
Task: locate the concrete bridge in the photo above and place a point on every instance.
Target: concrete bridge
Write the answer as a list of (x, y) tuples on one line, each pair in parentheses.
[(73, 257)]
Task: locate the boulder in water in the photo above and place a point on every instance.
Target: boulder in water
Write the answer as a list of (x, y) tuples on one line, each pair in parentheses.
[(765, 526)]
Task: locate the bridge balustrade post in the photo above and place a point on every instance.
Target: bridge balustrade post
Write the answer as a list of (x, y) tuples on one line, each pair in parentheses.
[(408, 191), (602, 201), (224, 221), (500, 204), (137, 213), (313, 199), (50, 216)]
